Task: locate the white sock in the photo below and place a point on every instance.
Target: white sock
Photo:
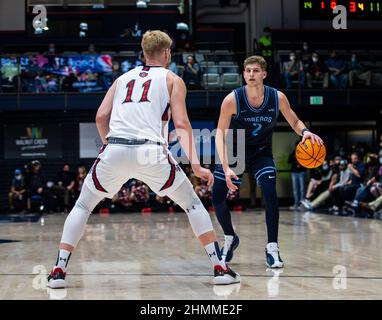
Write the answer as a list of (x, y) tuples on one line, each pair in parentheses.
[(213, 252), (63, 259)]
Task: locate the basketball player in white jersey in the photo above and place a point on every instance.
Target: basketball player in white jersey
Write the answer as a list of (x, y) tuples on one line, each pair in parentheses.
[(132, 122)]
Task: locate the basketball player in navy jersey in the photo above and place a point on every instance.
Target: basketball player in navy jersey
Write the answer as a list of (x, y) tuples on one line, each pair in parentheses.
[(253, 108)]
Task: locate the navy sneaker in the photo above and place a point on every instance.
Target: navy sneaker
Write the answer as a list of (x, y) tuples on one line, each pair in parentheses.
[(272, 254), (230, 244), (56, 278)]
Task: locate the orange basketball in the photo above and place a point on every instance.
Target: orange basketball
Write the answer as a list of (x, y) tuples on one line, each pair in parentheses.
[(310, 155)]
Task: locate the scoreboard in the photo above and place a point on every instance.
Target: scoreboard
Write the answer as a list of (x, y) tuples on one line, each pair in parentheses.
[(356, 9)]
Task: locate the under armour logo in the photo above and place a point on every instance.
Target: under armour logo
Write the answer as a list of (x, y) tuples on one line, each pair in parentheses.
[(192, 207), (63, 259), (212, 254)]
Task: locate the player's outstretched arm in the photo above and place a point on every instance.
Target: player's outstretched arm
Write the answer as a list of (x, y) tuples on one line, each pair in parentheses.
[(104, 113), (183, 126), (297, 125), (228, 108)]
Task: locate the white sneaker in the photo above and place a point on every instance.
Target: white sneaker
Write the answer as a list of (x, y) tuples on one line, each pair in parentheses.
[(225, 276), (307, 205), (272, 254), (56, 279)]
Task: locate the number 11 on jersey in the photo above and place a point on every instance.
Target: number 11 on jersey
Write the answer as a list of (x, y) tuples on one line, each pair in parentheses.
[(130, 88)]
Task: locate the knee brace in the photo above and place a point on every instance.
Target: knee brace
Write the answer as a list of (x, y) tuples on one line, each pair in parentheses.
[(75, 223), (198, 216)]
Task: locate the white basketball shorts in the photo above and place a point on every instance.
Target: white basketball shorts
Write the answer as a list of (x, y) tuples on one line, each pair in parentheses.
[(150, 163)]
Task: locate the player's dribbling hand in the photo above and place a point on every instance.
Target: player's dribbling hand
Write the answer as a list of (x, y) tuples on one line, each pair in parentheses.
[(313, 137), (229, 174), (204, 174)]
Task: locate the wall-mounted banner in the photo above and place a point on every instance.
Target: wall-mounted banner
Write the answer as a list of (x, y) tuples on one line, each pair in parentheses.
[(32, 141)]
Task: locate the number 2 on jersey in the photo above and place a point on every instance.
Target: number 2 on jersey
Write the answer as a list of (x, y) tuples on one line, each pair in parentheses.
[(130, 87), (258, 127)]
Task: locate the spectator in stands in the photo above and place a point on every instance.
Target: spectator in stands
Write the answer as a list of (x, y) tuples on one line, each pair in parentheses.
[(121, 201), (91, 49), (358, 72), (191, 74), (139, 195), (64, 187), (372, 207), (140, 60), (364, 193), (191, 176), (293, 69), (337, 71), (204, 193), (67, 83), (320, 182), (348, 190), (340, 176), (265, 46), (163, 204), (51, 49), (305, 55), (116, 70), (80, 178), (318, 71), (298, 179), (30, 76), (35, 184), (172, 67), (16, 195)]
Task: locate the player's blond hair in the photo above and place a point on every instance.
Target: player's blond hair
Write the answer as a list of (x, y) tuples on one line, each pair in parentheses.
[(256, 59), (154, 42)]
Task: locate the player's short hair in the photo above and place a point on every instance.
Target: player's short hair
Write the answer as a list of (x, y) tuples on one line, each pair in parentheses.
[(256, 59), (154, 42)]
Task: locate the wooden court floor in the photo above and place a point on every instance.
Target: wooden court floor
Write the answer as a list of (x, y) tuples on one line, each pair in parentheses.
[(135, 256)]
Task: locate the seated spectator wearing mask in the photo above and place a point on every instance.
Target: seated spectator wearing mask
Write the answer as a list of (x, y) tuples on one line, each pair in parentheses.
[(317, 70), (293, 69), (17, 192)]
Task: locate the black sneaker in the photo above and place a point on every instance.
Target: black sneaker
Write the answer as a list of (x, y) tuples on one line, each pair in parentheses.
[(225, 276), (56, 278)]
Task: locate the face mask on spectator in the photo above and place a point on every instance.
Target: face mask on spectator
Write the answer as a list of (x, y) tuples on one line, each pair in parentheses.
[(18, 177), (292, 58), (315, 59), (353, 59)]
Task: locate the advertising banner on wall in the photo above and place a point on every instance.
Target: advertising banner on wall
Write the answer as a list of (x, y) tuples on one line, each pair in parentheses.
[(32, 141), (90, 141)]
